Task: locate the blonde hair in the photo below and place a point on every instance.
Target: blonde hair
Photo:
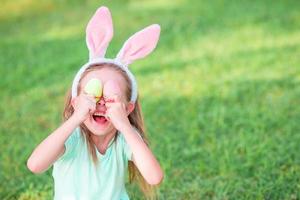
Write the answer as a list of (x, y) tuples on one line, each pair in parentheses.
[(135, 118)]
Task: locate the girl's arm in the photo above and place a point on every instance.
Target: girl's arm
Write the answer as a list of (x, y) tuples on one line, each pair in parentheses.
[(142, 156), (51, 148)]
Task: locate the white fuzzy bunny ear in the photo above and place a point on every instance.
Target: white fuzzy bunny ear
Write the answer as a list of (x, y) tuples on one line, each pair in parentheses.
[(99, 33), (140, 44)]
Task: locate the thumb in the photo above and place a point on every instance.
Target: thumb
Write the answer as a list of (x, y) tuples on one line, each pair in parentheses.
[(91, 111), (106, 115)]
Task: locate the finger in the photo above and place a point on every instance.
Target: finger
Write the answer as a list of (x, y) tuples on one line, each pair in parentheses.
[(109, 99), (85, 93), (108, 105), (89, 96), (106, 115), (92, 109), (94, 100), (91, 99), (116, 98), (113, 98)]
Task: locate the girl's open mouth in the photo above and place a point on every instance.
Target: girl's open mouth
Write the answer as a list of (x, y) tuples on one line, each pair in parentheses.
[(99, 119)]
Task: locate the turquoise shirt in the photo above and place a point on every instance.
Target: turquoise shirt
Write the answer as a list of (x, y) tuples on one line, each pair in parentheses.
[(77, 178)]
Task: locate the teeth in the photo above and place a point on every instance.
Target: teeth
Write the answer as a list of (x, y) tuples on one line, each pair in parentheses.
[(98, 114)]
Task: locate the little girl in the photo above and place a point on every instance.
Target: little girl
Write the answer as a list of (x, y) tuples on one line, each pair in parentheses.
[(102, 136)]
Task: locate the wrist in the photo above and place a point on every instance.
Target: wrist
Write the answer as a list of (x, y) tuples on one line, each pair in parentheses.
[(76, 119)]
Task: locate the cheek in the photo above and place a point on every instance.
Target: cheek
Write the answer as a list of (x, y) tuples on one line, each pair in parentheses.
[(87, 122)]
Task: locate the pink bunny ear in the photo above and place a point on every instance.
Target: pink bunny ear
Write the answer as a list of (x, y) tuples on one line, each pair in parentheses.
[(99, 33), (140, 44)]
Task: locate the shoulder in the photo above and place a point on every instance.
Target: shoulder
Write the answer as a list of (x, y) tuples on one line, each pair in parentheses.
[(71, 144), (76, 133), (74, 137)]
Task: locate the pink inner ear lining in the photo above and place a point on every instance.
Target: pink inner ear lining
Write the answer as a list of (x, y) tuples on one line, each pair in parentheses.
[(92, 36), (137, 51), (140, 44), (99, 32)]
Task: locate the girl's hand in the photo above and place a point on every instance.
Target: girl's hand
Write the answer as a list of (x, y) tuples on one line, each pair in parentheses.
[(84, 105), (116, 113)]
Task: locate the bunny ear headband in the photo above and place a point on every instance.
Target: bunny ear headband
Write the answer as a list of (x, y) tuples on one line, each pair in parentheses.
[(99, 33)]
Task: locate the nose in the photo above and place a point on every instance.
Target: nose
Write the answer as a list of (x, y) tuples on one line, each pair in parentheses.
[(101, 101), (100, 106)]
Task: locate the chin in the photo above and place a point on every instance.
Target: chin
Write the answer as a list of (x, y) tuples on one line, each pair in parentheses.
[(99, 126)]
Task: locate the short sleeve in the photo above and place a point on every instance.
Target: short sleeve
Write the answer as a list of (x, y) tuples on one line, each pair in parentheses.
[(126, 148), (71, 143)]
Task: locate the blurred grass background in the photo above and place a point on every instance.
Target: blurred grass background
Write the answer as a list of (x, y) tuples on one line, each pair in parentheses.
[(220, 94)]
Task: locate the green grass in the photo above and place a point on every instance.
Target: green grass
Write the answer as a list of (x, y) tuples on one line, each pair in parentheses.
[(220, 95)]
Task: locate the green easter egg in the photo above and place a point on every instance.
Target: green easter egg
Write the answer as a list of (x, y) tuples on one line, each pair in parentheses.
[(94, 87)]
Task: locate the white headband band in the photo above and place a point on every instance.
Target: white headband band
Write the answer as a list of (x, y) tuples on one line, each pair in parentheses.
[(109, 61), (99, 33)]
